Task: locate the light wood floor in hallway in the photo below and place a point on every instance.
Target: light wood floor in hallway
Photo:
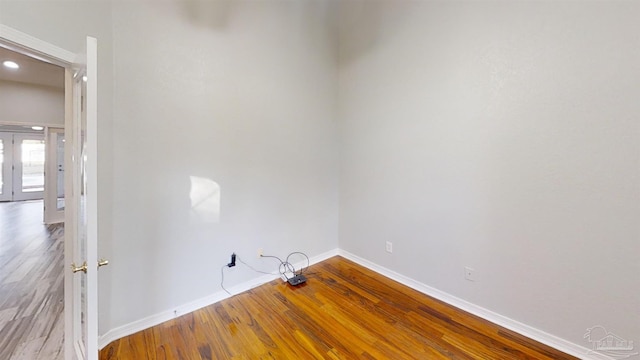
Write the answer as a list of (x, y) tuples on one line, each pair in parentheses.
[(31, 284), (344, 311)]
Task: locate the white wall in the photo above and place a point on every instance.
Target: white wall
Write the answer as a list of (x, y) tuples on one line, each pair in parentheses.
[(239, 93), (504, 137), (31, 104), (492, 135)]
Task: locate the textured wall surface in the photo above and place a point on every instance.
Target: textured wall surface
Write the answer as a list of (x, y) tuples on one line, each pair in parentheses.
[(225, 131), (31, 104), (500, 136), (503, 137)]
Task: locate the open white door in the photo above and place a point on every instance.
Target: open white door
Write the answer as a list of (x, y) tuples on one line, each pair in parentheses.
[(80, 181), (81, 289)]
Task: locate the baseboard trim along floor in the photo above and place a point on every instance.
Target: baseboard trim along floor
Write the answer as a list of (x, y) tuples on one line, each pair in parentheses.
[(523, 329), (166, 315), (513, 325)]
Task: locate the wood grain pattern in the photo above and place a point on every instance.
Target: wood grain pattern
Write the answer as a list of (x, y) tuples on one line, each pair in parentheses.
[(31, 284), (344, 311)]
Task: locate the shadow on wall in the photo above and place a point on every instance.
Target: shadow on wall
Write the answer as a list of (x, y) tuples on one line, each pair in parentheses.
[(358, 28), (217, 15), (214, 14), (361, 25)]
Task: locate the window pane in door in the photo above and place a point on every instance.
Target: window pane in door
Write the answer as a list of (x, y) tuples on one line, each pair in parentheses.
[(1, 165), (32, 165), (60, 166)]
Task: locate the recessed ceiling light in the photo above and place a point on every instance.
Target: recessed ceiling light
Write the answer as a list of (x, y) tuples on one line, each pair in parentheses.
[(37, 128), (10, 64)]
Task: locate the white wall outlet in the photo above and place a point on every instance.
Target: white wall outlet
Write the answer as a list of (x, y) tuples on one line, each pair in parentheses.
[(469, 273), (260, 252), (389, 247)]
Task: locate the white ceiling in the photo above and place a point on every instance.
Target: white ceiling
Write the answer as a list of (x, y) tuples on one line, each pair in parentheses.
[(19, 129), (31, 71)]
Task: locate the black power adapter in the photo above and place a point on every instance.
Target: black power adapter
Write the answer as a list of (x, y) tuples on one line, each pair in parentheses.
[(233, 260)]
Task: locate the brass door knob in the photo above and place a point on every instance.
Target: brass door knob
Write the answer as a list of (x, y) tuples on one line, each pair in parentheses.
[(103, 262), (75, 268)]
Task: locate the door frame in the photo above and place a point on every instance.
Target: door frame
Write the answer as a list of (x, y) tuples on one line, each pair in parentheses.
[(52, 214), (7, 173), (28, 45)]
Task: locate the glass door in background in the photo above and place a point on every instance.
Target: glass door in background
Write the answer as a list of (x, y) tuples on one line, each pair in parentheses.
[(22, 161), (54, 176), (28, 166), (6, 164)]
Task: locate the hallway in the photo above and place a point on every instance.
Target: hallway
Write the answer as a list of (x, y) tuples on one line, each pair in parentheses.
[(31, 283)]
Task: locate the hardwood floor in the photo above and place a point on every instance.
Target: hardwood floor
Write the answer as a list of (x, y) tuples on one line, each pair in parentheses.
[(344, 311), (31, 284)]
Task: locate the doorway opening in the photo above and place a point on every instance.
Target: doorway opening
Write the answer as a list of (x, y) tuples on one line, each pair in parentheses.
[(32, 188), (32, 111), (81, 205)]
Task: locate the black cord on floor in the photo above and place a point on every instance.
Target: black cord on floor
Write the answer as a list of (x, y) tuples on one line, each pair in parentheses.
[(252, 268), (271, 256), (222, 281), (303, 254), (286, 266), (283, 268)]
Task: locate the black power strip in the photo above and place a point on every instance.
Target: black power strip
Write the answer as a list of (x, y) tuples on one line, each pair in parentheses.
[(233, 260), (285, 266), (297, 280)]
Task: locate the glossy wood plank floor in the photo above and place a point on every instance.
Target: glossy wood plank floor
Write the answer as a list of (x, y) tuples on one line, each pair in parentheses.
[(31, 284), (344, 311)]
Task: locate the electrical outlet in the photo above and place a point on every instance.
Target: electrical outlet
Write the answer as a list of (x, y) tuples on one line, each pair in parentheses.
[(260, 252), (469, 274), (389, 247)]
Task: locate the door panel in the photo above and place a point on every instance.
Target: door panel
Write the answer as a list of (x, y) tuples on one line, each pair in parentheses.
[(90, 185), (23, 162), (81, 209), (6, 161), (59, 171), (80, 318), (28, 163)]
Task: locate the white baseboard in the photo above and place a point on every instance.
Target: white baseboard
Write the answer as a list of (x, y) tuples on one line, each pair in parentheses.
[(153, 320), (523, 329)]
